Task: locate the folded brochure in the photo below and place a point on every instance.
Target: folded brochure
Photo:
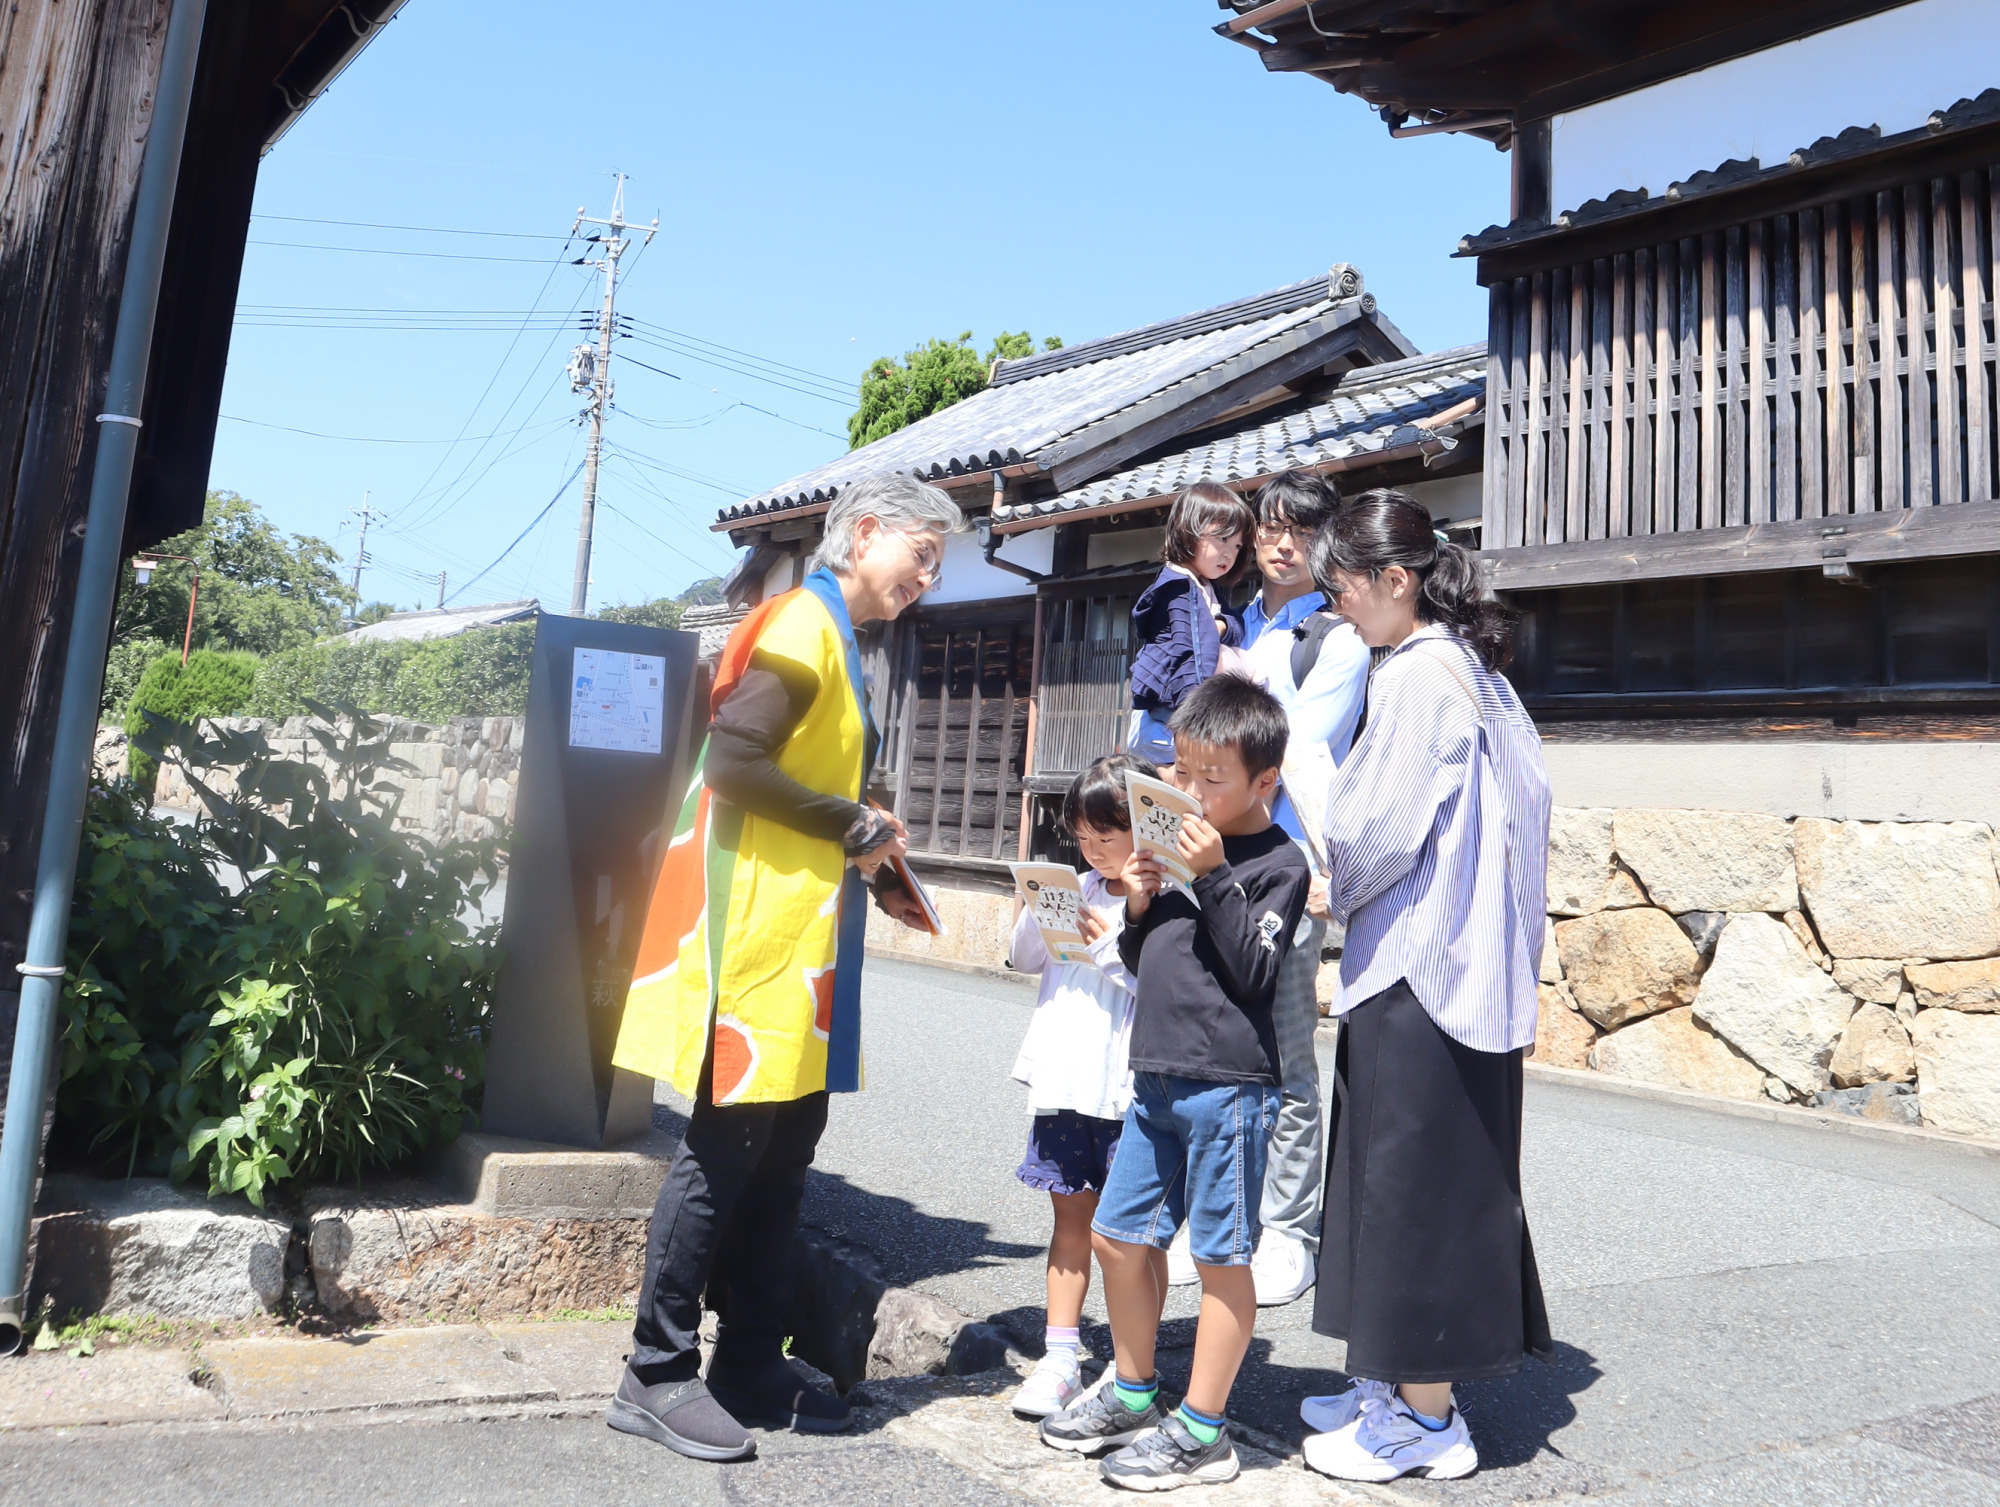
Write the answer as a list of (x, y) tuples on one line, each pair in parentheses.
[(1157, 812), (1054, 897), (933, 922)]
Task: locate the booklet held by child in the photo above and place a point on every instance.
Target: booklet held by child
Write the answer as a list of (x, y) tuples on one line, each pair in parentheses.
[(1157, 812), (1054, 897)]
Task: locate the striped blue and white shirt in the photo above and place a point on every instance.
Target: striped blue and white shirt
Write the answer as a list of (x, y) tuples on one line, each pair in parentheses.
[(1438, 838)]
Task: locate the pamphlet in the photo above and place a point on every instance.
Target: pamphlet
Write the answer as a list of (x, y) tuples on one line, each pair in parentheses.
[(933, 922), (1054, 897), (1157, 812)]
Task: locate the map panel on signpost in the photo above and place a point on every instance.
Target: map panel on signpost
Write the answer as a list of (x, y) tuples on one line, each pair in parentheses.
[(616, 701)]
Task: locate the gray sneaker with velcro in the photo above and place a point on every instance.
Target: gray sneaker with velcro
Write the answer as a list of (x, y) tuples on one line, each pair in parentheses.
[(1169, 1458), (1098, 1421)]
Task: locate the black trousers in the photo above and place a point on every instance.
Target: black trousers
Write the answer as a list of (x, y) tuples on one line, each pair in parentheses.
[(724, 1223)]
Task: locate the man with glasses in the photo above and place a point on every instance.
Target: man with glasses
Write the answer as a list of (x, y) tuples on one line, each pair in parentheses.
[(1317, 667)]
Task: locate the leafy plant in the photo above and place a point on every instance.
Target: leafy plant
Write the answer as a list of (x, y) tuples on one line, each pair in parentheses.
[(935, 375), (482, 673), (210, 684), (326, 1018), (128, 660)]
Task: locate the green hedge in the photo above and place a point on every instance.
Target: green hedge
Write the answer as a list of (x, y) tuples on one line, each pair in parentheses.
[(483, 673), (122, 668), (213, 683)]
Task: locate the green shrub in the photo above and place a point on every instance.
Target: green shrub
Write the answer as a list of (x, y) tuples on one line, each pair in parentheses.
[(127, 662), (327, 1020), (213, 683), (483, 673)]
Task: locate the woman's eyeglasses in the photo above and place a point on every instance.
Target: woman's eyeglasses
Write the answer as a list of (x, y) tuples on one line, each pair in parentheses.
[(928, 558)]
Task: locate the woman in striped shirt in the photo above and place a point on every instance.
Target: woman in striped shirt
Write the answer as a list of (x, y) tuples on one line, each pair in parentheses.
[(1437, 839)]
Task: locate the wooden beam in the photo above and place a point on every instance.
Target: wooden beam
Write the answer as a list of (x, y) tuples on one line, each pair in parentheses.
[(1919, 533)]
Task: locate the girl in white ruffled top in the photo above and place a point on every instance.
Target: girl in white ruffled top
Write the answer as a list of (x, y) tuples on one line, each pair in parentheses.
[(1074, 1064)]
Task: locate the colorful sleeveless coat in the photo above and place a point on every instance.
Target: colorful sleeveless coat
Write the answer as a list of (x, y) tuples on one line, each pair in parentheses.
[(755, 931)]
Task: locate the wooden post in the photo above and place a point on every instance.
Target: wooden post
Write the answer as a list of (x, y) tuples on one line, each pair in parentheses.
[(1666, 282), (1737, 391), (1605, 403), (1540, 389), (1972, 298), (1862, 470), (1888, 299), (1812, 425), (1711, 506), (1835, 409), (1618, 496), (1644, 412), (1527, 400), (1759, 494), (1687, 494), (1917, 433), (1574, 501), (1944, 283), (1499, 412), (1785, 300)]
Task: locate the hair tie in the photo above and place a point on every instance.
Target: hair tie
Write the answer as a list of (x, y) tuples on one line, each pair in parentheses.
[(1439, 535)]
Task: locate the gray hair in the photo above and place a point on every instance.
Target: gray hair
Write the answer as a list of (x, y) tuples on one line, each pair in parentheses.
[(898, 500)]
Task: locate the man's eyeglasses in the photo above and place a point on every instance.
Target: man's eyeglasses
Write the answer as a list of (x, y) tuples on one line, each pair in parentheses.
[(1271, 533)]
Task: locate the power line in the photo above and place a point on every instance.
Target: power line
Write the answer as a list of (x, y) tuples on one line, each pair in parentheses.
[(519, 235), (546, 508), (841, 399), (734, 489), (450, 256), (360, 439), (728, 350), (659, 370)]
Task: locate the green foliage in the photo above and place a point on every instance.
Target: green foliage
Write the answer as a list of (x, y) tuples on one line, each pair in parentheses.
[(707, 592), (260, 590), (128, 661), (327, 1020), (374, 612), (481, 673), (661, 612), (935, 375), (210, 684)]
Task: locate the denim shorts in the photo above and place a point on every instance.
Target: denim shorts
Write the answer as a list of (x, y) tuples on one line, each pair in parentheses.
[(1150, 738), (1069, 1152), (1192, 1150)]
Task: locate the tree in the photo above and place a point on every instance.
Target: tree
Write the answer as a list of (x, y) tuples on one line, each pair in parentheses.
[(374, 612), (935, 375), (260, 590), (665, 612)]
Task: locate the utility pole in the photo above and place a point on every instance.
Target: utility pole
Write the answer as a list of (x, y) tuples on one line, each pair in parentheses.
[(361, 547), (590, 371), (440, 589)]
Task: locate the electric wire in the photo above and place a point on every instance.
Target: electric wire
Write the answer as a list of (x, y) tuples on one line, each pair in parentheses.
[(363, 439), (547, 508), (518, 235)]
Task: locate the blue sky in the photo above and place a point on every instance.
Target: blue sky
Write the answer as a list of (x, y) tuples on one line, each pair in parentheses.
[(834, 183)]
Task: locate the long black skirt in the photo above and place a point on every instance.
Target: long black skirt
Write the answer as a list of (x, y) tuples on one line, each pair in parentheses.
[(1425, 1265)]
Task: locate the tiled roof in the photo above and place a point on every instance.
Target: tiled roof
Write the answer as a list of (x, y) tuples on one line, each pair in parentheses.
[(1104, 386), (442, 622), (1363, 414)]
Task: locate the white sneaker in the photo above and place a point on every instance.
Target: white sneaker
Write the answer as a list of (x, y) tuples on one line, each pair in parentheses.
[(1053, 1385), (1281, 1269), (1386, 1441), (1325, 1414), (1180, 1264)]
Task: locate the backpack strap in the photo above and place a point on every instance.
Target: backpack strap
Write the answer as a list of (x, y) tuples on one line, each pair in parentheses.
[(1307, 638)]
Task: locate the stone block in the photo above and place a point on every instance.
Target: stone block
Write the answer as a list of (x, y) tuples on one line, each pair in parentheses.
[(468, 789), (504, 1178), (1704, 929), (499, 799), (1877, 980), (1675, 1049), (147, 1247), (1891, 889), (142, 1385), (1579, 859), (1885, 1103), (1958, 1071), (1326, 986), (1797, 924), (917, 1334), (1708, 860), (1624, 964), (266, 1378), (1873, 1049), (1551, 969), (400, 1254), (427, 757), (1563, 1038), (1973, 986), (1763, 994)]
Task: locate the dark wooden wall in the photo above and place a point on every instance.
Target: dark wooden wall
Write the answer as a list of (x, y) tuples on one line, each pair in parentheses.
[(76, 90)]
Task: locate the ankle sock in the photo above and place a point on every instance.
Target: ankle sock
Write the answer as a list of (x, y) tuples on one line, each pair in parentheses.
[(1205, 1427), (1135, 1396), (1435, 1425), (1056, 1340)]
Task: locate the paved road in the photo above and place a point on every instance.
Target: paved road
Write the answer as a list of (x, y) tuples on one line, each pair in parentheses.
[(1746, 1312), (1734, 1301)]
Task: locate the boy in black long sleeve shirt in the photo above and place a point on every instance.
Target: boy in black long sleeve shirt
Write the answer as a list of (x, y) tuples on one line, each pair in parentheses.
[(1205, 1091)]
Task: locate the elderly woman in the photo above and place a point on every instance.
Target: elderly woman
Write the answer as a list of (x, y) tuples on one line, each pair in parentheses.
[(1437, 844), (748, 989)]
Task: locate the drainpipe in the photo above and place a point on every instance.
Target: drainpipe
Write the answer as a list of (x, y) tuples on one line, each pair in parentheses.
[(83, 672), (990, 542)]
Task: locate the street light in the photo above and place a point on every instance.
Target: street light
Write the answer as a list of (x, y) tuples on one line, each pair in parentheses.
[(143, 567)]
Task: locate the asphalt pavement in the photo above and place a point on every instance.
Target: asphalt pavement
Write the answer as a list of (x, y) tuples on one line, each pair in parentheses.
[(1745, 1311)]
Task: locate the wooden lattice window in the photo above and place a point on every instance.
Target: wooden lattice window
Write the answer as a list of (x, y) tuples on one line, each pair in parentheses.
[(955, 728), (1084, 700)]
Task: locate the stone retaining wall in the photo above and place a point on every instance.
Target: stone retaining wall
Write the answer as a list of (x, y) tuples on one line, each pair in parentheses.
[(464, 787), (1840, 964)]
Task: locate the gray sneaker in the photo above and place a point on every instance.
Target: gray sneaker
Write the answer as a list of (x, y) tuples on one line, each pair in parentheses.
[(1169, 1458), (1098, 1421), (682, 1416)]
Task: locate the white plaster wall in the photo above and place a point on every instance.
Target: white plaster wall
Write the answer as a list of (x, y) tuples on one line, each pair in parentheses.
[(1454, 499), (1849, 779), (781, 577), (1125, 547), (1890, 70), (968, 578)]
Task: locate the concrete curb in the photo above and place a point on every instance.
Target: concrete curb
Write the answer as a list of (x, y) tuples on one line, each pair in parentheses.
[(1750, 1109), (977, 970)]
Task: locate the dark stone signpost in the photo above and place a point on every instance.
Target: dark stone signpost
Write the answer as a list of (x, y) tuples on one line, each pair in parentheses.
[(608, 745)]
